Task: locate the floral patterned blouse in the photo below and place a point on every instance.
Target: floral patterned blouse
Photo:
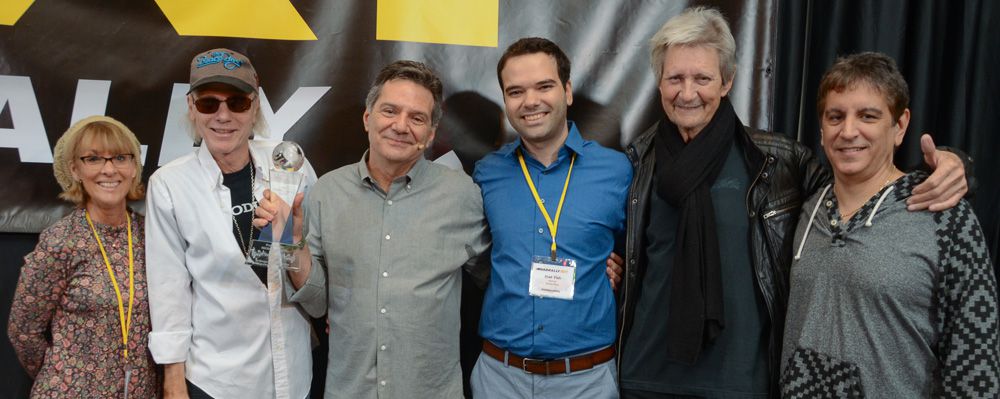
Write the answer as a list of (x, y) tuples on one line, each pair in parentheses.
[(64, 321)]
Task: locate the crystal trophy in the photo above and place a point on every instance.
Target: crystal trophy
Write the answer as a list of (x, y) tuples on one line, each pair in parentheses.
[(275, 241)]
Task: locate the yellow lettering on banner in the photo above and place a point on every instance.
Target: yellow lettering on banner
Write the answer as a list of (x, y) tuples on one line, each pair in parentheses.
[(252, 19), (12, 10), (464, 22)]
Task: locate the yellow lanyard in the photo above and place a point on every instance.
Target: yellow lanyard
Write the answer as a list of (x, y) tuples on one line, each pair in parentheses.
[(553, 225), (126, 323)]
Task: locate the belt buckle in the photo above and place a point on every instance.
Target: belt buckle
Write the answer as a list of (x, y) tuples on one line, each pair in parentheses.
[(525, 361)]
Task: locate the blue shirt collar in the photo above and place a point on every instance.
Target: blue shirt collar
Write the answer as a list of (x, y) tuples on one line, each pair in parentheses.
[(574, 142)]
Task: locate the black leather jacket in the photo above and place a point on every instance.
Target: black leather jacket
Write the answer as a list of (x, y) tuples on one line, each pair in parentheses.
[(785, 174)]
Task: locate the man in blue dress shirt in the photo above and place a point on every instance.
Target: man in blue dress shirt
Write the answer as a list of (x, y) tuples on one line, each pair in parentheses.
[(555, 204)]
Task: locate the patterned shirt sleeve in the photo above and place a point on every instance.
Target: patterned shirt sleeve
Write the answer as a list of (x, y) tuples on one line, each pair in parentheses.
[(967, 309), (40, 288)]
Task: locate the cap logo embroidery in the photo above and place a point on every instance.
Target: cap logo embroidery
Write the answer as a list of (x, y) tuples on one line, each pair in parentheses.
[(219, 57)]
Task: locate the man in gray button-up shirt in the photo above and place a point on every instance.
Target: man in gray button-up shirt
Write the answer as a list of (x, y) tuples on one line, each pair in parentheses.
[(387, 238)]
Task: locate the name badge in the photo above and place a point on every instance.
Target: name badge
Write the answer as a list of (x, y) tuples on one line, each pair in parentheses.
[(552, 278), (128, 377)]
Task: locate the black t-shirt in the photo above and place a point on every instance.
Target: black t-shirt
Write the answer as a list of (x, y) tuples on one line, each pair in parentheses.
[(241, 195)]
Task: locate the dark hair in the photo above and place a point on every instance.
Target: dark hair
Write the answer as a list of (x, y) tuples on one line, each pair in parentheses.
[(532, 45), (877, 70), (415, 72)]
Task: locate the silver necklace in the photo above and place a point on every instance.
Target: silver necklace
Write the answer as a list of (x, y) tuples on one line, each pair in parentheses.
[(245, 246), (848, 215)]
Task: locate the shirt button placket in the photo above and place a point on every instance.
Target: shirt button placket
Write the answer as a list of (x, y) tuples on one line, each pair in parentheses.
[(380, 358), (538, 213), (383, 289)]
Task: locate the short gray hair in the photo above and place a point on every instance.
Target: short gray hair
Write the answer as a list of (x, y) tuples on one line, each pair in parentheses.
[(697, 26)]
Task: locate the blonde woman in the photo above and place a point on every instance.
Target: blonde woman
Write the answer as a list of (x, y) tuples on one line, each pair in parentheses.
[(80, 317)]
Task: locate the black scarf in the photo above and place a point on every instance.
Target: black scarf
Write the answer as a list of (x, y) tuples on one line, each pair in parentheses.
[(685, 174)]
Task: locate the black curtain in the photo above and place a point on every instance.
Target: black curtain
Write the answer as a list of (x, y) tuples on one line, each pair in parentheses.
[(946, 50), (14, 381)]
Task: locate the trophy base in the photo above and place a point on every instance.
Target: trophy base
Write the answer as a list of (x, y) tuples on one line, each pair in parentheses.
[(263, 253)]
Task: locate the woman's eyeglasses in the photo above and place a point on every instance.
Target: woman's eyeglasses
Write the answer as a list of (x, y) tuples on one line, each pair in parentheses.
[(119, 161)]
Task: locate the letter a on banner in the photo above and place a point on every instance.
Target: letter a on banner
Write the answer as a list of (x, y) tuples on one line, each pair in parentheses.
[(28, 133), (464, 22)]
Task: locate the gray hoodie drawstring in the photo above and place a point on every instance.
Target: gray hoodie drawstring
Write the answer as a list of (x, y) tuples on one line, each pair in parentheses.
[(868, 223), (798, 254)]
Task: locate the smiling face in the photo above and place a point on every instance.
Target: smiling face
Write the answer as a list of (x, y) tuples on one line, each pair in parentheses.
[(859, 134), (106, 183), (225, 132), (534, 99), (399, 124), (692, 87)]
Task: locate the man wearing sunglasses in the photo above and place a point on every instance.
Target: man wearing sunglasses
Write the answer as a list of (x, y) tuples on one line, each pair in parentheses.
[(220, 327)]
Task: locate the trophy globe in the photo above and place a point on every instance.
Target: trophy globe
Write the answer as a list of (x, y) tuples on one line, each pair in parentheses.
[(288, 156)]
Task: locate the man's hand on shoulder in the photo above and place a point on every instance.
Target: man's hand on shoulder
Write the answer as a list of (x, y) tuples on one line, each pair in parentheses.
[(945, 186)]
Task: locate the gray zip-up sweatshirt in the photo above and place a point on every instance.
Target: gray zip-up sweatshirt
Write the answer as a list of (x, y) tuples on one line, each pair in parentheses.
[(894, 304)]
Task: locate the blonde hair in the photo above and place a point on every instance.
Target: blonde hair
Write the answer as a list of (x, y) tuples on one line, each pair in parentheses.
[(698, 26), (108, 134)]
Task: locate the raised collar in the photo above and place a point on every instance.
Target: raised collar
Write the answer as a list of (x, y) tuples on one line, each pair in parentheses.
[(214, 173)]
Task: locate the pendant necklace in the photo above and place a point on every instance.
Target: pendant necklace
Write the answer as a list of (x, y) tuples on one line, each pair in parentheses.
[(245, 246)]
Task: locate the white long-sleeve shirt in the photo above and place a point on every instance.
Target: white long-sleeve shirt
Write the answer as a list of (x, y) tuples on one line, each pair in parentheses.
[(208, 308)]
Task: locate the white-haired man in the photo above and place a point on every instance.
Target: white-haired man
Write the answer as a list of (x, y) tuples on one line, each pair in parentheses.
[(222, 328)]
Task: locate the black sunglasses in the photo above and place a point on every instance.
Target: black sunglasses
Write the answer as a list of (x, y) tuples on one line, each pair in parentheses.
[(210, 105)]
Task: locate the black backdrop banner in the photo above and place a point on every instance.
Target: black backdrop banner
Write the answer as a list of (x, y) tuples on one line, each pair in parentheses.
[(62, 61)]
